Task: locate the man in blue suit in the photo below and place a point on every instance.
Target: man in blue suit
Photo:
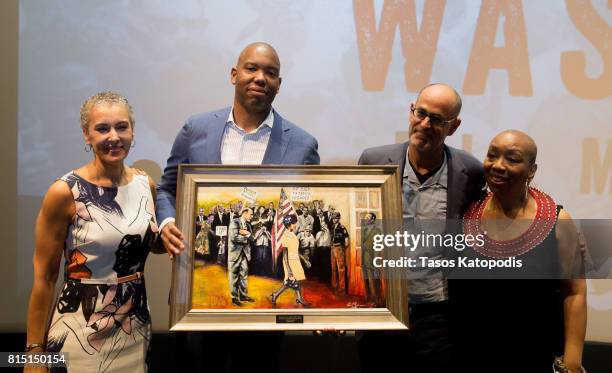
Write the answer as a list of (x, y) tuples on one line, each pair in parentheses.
[(249, 132)]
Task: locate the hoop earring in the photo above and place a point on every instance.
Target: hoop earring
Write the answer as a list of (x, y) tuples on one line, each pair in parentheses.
[(133, 144), (527, 183), (88, 148)]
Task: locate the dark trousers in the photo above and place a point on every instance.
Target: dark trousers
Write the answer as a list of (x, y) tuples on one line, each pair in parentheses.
[(426, 347), (261, 263), (228, 351), (321, 264)]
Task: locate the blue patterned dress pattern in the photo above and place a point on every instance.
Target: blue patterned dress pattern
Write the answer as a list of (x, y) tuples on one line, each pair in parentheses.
[(102, 323)]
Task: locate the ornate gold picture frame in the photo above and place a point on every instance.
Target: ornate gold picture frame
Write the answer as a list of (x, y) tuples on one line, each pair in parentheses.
[(239, 273)]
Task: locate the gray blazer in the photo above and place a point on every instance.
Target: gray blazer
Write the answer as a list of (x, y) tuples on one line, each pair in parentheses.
[(237, 243), (465, 174), (199, 141)]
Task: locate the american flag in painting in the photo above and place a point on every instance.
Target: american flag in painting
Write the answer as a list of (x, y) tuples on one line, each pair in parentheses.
[(285, 208)]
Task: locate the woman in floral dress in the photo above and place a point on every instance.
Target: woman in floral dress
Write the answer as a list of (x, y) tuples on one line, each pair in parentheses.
[(101, 216)]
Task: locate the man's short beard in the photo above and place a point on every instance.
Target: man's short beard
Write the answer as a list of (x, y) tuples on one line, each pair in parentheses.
[(256, 106)]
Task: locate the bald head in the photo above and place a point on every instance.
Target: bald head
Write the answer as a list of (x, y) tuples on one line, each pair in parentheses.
[(522, 140), (257, 80), (259, 47), (446, 92)]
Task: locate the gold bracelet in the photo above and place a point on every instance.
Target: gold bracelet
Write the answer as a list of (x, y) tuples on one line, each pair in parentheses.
[(29, 347)]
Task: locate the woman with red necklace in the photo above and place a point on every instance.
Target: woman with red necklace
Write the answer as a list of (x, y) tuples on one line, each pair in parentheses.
[(538, 311)]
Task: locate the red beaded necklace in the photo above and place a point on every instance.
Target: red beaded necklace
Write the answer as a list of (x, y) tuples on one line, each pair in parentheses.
[(540, 228)]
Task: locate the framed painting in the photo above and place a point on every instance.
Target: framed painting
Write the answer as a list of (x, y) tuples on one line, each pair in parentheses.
[(280, 248)]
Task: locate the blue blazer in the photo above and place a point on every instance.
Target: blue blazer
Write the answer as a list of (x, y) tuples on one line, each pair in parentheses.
[(199, 142)]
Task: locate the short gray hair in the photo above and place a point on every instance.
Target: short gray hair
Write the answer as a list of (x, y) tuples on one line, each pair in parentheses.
[(104, 98)]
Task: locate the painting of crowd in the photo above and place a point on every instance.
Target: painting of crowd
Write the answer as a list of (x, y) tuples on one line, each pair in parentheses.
[(323, 239)]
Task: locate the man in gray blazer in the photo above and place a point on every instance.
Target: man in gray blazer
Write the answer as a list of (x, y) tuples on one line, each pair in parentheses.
[(249, 132), (239, 242), (438, 182)]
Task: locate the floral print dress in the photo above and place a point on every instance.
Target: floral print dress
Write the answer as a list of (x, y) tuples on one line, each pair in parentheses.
[(101, 318)]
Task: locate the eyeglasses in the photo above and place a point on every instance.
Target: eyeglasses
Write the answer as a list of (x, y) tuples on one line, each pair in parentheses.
[(434, 119)]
